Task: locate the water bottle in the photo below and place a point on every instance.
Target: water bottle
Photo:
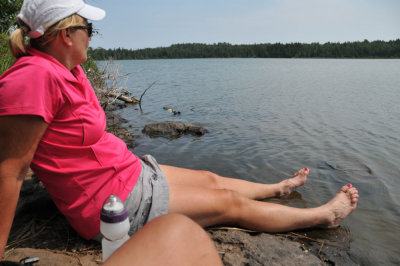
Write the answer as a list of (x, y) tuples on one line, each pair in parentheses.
[(114, 225)]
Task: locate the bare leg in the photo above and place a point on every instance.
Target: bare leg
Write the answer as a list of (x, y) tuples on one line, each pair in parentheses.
[(216, 206), (251, 190), (167, 240)]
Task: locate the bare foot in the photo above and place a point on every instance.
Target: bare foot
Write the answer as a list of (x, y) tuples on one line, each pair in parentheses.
[(344, 203), (290, 184)]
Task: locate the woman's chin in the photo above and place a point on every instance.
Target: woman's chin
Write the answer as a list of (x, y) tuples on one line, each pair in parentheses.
[(84, 59)]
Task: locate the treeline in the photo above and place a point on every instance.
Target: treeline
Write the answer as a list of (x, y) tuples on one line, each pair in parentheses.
[(364, 49)]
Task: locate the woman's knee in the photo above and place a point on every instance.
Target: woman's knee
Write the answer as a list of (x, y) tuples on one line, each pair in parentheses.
[(232, 204), (174, 219), (178, 225), (184, 232), (212, 180), (175, 239)]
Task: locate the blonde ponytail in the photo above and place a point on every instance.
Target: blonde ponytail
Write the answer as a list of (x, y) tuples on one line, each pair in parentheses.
[(16, 42)]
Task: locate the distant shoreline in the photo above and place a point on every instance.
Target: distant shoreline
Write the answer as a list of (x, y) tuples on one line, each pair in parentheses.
[(227, 58), (347, 50)]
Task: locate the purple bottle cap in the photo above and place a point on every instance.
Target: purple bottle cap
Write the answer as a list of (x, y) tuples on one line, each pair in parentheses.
[(114, 210)]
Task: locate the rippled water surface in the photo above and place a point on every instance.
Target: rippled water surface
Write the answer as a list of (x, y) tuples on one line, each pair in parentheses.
[(269, 117)]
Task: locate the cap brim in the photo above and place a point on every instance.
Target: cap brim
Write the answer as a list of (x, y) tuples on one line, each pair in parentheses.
[(91, 12)]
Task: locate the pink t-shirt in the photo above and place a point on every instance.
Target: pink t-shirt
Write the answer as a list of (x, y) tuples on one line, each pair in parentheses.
[(79, 163)]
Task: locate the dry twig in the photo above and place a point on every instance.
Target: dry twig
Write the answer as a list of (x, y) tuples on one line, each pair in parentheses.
[(233, 228)]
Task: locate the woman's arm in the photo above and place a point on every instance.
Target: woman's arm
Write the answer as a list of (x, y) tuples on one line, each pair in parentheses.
[(19, 137)]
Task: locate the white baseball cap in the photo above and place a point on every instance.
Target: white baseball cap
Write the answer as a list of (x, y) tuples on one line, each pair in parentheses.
[(39, 15)]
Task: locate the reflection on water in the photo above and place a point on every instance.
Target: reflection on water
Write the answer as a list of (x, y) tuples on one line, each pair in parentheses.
[(270, 117)]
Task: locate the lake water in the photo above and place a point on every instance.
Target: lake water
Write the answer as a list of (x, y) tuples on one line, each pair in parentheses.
[(270, 117)]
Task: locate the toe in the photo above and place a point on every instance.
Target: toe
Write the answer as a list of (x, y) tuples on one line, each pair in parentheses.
[(353, 191), (345, 188), (354, 200), (354, 196), (302, 171)]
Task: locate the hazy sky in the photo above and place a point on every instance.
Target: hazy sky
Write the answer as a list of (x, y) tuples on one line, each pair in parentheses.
[(135, 24)]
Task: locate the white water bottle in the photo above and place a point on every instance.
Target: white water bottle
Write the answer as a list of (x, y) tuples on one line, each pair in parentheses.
[(114, 225)]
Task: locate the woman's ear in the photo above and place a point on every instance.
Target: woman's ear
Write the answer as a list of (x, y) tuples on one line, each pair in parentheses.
[(65, 36)]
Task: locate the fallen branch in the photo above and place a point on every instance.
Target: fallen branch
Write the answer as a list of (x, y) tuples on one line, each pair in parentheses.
[(124, 98)]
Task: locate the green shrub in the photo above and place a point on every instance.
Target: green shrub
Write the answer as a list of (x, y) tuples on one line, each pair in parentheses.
[(6, 59)]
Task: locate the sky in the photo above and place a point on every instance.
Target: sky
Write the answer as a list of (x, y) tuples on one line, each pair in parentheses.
[(137, 24)]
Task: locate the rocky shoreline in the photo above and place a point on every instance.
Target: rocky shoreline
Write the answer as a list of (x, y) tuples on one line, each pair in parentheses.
[(40, 230)]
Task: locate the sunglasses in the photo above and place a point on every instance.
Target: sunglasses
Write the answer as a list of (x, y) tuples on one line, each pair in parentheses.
[(89, 29)]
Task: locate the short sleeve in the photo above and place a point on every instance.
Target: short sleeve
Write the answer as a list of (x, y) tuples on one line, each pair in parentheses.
[(29, 89)]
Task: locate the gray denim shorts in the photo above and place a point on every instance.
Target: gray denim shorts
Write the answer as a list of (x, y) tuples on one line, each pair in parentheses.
[(149, 197)]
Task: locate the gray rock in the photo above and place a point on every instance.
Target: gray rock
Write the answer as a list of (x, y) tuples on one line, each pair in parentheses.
[(173, 129), (242, 248)]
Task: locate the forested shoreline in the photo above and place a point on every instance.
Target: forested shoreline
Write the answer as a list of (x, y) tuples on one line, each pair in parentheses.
[(364, 49)]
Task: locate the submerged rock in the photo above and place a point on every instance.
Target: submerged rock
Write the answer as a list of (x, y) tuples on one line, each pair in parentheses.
[(173, 129), (173, 111)]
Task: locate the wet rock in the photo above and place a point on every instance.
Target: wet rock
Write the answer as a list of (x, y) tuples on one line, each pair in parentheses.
[(114, 126), (173, 129)]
